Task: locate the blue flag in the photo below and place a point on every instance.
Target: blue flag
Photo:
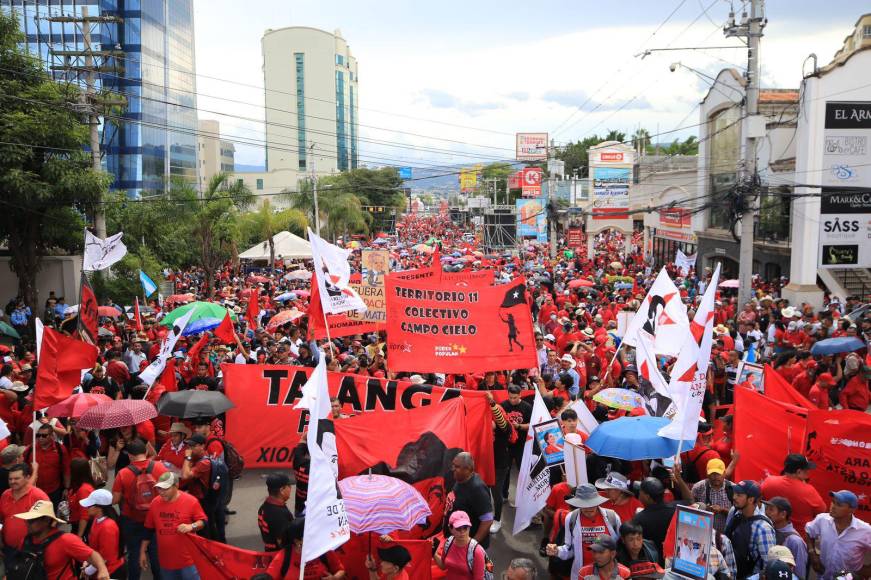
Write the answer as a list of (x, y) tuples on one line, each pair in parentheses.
[(148, 285)]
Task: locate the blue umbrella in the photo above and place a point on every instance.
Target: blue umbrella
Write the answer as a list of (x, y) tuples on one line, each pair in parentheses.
[(456, 254), (201, 325), (623, 286), (380, 241), (633, 438), (837, 345), (286, 296)]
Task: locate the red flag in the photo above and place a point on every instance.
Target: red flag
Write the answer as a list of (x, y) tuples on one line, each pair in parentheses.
[(777, 388), (137, 317), (765, 432), (167, 378), (194, 352), (61, 360), (87, 315), (225, 330), (253, 307)]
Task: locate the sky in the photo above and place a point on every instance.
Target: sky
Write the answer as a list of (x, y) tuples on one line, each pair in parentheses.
[(463, 77)]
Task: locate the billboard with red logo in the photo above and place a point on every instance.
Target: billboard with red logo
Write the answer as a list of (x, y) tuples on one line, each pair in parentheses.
[(531, 181)]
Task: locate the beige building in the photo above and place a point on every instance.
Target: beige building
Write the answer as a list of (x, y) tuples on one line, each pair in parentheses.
[(310, 79), (215, 154)]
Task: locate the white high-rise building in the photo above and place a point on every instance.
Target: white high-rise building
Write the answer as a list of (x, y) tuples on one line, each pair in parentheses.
[(310, 80)]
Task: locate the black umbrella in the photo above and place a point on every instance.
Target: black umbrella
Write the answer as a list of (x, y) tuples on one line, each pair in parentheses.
[(192, 404)]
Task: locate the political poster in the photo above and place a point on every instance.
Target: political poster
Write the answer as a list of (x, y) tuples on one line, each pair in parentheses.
[(611, 192), (550, 440), (345, 324), (692, 551), (370, 286), (839, 442), (751, 373), (432, 327), (532, 219)]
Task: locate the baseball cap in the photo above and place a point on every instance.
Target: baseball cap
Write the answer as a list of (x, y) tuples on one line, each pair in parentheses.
[(97, 497), (777, 569), (196, 439), (716, 466), (780, 553), (845, 496), (602, 543), (749, 488), (796, 461), (459, 519), (826, 378), (166, 481), (780, 503)]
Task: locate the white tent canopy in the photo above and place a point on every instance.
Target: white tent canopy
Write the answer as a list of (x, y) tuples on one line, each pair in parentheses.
[(287, 246)]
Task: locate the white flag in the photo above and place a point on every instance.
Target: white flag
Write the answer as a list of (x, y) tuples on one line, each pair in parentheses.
[(155, 369), (662, 315), (100, 254), (533, 482), (684, 262), (326, 524), (333, 273), (689, 375), (647, 367)]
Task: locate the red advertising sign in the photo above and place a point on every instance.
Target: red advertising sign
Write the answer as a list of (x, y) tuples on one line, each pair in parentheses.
[(531, 181), (514, 180), (575, 238), (675, 217), (611, 156), (459, 329)]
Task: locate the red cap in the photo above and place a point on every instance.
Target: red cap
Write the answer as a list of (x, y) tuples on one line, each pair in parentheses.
[(826, 378)]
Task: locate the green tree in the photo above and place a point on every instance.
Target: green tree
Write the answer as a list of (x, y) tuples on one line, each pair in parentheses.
[(341, 211), (264, 223), (46, 182), (641, 140)]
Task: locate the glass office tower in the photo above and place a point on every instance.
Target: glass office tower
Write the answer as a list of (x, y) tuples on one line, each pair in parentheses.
[(153, 139)]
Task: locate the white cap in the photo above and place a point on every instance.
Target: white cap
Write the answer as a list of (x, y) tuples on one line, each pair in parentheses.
[(97, 497)]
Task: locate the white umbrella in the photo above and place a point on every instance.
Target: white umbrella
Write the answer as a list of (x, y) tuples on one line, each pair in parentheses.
[(298, 275)]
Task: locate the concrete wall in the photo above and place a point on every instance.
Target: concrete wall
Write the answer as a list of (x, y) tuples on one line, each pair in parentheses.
[(58, 273)]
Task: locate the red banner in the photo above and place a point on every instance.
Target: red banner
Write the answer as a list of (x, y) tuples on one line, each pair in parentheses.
[(777, 388), (575, 238), (765, 432), (435, 272), (264, 396), (839, 442), (88, 320), (675, 217), (431, 328), (339, 324)]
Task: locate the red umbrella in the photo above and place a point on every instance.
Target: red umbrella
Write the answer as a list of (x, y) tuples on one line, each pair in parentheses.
[(179, 298), (303, 293), (109, 311), (283, 317), (117, 414), (581, 283), (76, 405), (260, 279)]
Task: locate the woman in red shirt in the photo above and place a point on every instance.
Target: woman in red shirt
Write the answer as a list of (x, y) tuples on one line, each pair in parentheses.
[(102, 532), (81, 486), (394, 560)]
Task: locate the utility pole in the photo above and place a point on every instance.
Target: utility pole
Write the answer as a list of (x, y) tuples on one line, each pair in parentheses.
[(750, 28), (311, 156), (92, 101)]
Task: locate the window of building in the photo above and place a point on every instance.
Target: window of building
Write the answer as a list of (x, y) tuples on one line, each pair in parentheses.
[(341, 129), (340, 60), (302, 163), (240, 182), (724, 135), (866, 31), (259, 184), (299, 58)]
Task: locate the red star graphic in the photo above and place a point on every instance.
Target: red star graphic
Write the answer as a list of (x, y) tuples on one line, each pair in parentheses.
[(645, 370)]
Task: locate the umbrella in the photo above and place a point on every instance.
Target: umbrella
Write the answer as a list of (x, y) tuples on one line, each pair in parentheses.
[(201, 325), (354, 245), (302, 293), (114, 414), (380, 241), (192, 404), (104, 332), (75, 405), (837, 345), (260, 279), (423, 249), (381, 504), (179, 298), (581, 283), (283, 317), (9, 331), (201, 310), (619, 399), (623, 286), (298, 275), (616, 265), (109, 311), (633, 438), (286, 296), (729, 284)]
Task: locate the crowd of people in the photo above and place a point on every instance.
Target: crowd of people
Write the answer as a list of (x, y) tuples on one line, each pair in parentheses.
[(157, 478)]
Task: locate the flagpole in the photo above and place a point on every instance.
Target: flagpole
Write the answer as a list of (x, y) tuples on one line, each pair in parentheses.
[(611, 364)]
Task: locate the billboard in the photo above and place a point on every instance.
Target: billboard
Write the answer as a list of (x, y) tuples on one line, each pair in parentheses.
[(404, 172), (468, 179), (845, 229), (531, 146), (611, 192), (675, 217), (531, 181), (532, 219), (847, 138)]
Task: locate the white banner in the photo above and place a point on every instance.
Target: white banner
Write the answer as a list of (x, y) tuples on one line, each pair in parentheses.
[(576, 464), (662, 315), (690, 371), (326, 523), (533, 481), (333, 274), (155, 369), (684, 262), (100, 254), (647, 366)]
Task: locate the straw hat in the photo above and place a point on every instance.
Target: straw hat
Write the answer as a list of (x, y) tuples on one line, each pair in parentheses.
[(180, 428), (41, 509)]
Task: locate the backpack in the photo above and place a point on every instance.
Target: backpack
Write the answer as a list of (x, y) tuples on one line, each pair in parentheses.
[(30, 560), (219, 475), (740, 532), (234, 462), (470, 557), (143, 486), (688, 471)]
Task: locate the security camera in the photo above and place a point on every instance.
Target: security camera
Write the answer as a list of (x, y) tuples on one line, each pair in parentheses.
[(673, 66)]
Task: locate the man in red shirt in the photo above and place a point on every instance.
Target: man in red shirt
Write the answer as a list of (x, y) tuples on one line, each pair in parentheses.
[(61, 549), (19, 498), (172, 513), (53, 463), (793, 485), (819, 393), (698, 457), (196, 476), (855, 393), (128, 491)]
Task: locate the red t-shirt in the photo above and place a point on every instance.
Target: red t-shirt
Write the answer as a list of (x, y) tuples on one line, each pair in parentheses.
[(819, 396), (199, 483), (314, 570), (103, 538), (77, 512), (164, 518), (590, 530), (53, 463), (804, 498), (125, 483), (173, 456), (699, 458), (59, 553), (627, 510), (589, 570), (557, 498), (14, 529)]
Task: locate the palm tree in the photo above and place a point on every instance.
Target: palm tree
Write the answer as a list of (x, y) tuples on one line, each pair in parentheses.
[(640, 141), (267, 222), (340, 209)]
